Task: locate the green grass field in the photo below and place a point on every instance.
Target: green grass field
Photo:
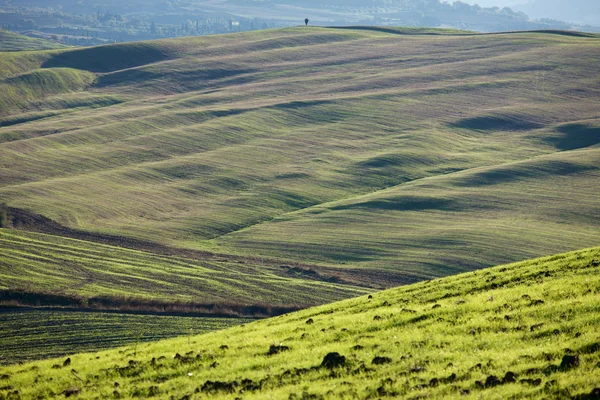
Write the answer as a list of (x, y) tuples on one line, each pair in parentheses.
[(34, 334), (39, 263), (10, 41), (373, 151), (524, 330)]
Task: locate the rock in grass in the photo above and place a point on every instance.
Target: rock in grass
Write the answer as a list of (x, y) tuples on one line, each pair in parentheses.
[(72, 391), (568, 362), (333, 360), (274, 349), (381, 360), (509, 377), (492, 381)]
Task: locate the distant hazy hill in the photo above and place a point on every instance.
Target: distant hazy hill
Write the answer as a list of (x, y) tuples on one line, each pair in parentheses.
[(10, 41), (580, 11)]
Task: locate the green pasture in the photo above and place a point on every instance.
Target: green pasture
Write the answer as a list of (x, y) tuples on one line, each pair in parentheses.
[(524, 330), (10, 41), (39, 263), (391, 151)]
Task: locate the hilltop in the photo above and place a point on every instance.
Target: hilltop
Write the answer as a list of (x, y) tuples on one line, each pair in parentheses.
[(525, 330), (401, 153), (10, 41)]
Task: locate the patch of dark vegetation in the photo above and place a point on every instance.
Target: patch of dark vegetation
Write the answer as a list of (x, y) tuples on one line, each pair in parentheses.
[(276, 349), (420, 318), (569, 362), (333, 360), (72, 391), (492, 381), (536, 327), (378, 360), (310, 321), (589, 348), (417, 369), (219, 386), (73, 302), (532, 382), (510, 377), (305, 396), (593, 395)]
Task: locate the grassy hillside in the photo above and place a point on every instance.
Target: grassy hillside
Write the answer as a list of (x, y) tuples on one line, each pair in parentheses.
[(368, 149), (525, 330), (54, 271), (10, 41)]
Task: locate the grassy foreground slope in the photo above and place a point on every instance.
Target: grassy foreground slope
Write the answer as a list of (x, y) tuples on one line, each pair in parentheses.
[(200, 142), (525, 330)]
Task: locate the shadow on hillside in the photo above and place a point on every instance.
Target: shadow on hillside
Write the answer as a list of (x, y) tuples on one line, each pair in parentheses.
[(108, 58), (575, 136), (408, 30), (383, 161), (559, 32), (195, 78), (507, 175), (496, 123), (404, 203)]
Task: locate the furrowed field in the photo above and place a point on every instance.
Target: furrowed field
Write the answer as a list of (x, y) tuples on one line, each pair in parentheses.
[(33, 263), (379, 151), (525, 330), (33, 334)]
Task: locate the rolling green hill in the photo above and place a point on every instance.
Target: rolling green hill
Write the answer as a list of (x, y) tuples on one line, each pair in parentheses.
[(10, 41), (39, 269), (525, 330), (412, 155)]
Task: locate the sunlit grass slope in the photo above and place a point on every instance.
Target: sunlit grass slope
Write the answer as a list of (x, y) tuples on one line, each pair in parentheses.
[(525, 330), (10, 41), (218, 142), (46, 264)]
